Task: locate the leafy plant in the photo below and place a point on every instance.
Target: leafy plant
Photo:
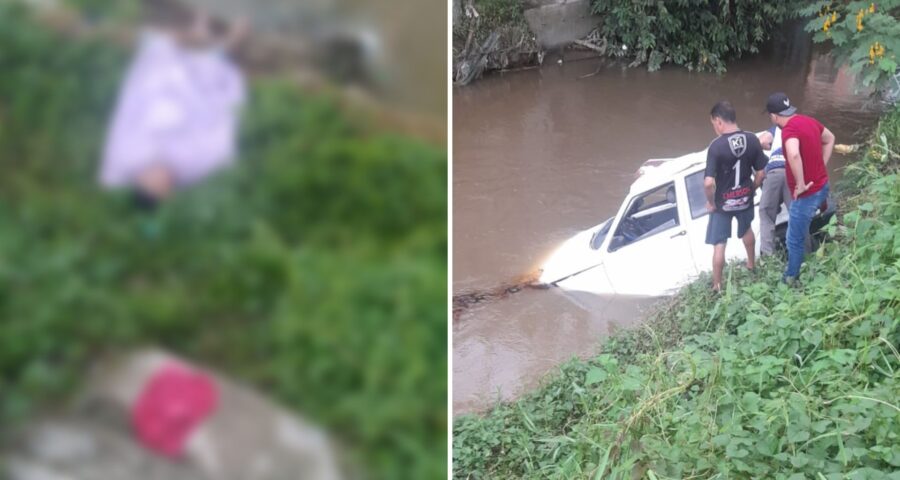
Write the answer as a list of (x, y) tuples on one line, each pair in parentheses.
[(500, 12), (865, 35), (698, 34)]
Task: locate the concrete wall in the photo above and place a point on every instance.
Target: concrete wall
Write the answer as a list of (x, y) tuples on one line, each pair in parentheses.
[(557, 23)]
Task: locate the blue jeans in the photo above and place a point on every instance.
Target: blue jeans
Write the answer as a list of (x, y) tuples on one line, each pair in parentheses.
[(800, 215)]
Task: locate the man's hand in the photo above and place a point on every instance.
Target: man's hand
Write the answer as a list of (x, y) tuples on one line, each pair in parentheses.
[(759, 176), (710, 207), (827, 145), (800, 189)]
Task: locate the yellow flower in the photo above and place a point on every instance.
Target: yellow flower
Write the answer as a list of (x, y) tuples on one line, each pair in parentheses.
[(872, 8), (876, 50)]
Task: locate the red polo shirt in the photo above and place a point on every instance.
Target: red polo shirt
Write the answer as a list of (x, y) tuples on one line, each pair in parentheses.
[(809, 132)]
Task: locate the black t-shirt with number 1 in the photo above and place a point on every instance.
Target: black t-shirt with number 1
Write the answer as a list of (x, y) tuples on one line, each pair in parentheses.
[(731, 159)]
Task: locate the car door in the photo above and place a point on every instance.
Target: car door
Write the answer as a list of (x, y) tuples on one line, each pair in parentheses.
[(699, 219), (650, 252)]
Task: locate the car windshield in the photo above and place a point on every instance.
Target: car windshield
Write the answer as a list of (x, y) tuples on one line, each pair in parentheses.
[(648, 214)]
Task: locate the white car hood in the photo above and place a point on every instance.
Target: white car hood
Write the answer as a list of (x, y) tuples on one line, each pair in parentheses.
[(574, 256)]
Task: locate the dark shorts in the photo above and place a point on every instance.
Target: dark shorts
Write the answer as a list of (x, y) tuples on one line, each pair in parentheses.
[(719, 228)]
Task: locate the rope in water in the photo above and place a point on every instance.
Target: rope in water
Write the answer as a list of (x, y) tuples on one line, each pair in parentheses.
[(466, 300)]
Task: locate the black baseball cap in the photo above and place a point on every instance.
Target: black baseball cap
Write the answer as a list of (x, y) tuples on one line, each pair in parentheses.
[(779, 104)]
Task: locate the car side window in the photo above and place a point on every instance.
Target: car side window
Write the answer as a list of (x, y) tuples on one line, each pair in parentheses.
[(696, 194), (648, 214)]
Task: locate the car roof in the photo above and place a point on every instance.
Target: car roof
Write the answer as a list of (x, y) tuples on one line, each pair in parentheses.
[(667, 170)]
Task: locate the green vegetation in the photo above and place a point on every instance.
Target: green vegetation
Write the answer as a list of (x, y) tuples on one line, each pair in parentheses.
[(698, 34), (497, 13), (865, 35), (763, 381), (703, 35), (315, 269), (515, 44)]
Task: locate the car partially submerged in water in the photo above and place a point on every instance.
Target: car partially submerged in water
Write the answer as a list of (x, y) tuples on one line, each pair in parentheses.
[(656, 242)]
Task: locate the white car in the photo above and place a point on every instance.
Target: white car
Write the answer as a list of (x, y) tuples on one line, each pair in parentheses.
[(656, 242)]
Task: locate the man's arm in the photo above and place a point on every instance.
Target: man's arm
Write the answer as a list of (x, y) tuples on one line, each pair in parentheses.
[(759, 167), (827, 145), (758, 177), (709, 180), (795, 163), (709, 187)]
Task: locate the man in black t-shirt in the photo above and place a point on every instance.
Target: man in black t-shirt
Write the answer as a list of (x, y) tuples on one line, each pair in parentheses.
[(734, 170)]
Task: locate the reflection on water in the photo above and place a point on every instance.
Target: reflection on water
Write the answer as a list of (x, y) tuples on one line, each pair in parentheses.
[(497, 355), (542, 154)]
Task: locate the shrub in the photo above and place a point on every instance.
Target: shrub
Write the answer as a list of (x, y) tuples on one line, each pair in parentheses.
[(698, 34), (865, 35)]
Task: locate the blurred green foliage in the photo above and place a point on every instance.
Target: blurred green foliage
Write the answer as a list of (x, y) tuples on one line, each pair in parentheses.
[(315, 269)]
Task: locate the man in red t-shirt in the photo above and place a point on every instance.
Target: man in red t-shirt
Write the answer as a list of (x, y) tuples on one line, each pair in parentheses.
[(807, 148)]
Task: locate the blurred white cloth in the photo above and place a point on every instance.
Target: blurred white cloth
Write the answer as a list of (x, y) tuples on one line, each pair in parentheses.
[(178, 108)]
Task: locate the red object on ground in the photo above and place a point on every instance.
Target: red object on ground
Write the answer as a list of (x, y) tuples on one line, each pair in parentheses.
[(175, 401)]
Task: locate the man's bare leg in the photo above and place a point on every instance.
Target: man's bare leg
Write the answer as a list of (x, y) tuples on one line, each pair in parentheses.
[(718, 266), (750, 244)]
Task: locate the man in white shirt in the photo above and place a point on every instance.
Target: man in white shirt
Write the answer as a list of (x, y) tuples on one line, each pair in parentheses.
[(775, 190)]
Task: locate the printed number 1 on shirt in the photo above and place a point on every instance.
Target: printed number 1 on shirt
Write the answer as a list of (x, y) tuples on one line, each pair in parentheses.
[(737, 174)]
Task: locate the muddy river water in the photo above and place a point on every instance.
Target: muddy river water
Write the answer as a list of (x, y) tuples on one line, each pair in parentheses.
[(542, 154)]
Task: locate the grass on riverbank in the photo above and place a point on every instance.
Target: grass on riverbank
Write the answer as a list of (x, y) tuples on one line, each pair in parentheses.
[(762, 381)]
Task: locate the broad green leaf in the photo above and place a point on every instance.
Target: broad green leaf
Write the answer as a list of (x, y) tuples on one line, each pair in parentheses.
[(595, 375)]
